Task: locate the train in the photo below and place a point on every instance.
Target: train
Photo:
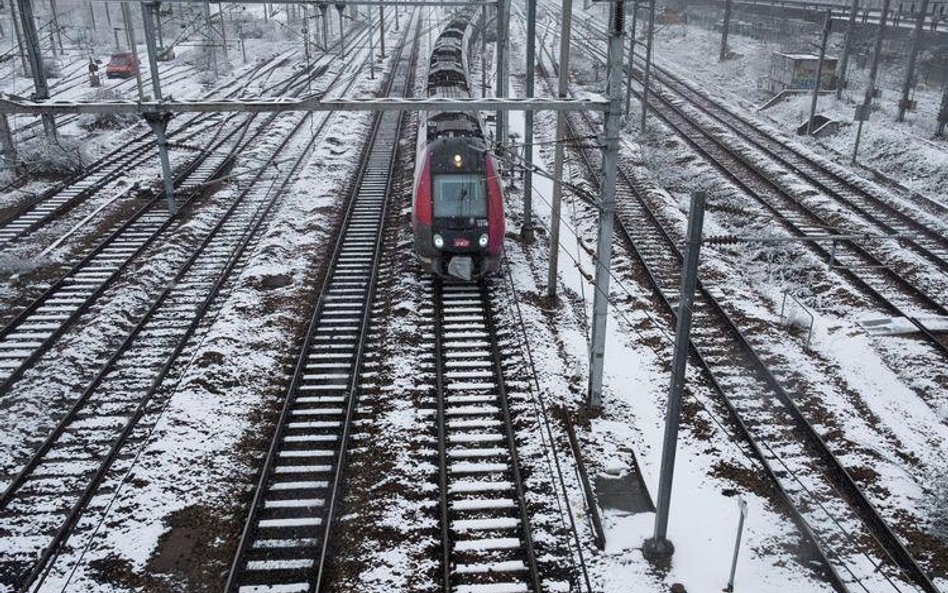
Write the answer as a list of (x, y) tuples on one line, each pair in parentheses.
[(458, 202)]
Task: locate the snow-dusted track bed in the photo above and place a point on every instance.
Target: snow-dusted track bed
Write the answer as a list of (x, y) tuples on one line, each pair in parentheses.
[(880, 211), (41, 209), (859, 548), (286, 538), (907, 283), (45, 500), (487, 544), (66, 86), (25, 338)]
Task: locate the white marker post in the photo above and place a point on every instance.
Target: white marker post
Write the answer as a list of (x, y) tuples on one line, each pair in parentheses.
[(737, 544)]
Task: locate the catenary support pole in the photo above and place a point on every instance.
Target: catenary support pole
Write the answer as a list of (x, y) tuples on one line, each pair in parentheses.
[(842, 76), (20, 42), (108, 18), (306, 54), (371, 48), (31, 39), (161, 37), (59, 32), (324, 11), (483, 51), (628, 73), (382, 32), (224, 53), (342, 31), (562, 90), (863, 111), (500, 86), (7, 147), (648, 63), (827, 27), (133, 47), (607, 202), (159, 123), (526, 231), (209, 37), (149, 10), (725, 29), (92, 25), (658, 548), (910, 73)]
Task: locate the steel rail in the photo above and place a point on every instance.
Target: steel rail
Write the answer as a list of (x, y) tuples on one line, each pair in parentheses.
[(121, 160), (863, 508), (773, 147), (909, 289), (258, 217), (354, 220), (154, 205), (477, 393)]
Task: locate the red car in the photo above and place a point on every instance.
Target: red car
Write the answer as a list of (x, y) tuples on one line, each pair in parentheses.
[(122, 65)]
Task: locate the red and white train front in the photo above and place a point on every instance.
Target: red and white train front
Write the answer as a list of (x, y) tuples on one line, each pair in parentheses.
[(458, 216), (458, 206)]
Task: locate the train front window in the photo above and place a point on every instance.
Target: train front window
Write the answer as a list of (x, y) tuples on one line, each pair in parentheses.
[(459, 196)]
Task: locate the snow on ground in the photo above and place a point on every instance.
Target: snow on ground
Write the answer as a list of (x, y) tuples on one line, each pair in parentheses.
[(867, 390), (704, 508), (219, 418), (904, 152), (171, 528)]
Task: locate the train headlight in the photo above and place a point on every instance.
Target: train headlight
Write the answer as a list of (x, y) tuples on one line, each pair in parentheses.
[(458, 161), (438, 241), (483, 241)]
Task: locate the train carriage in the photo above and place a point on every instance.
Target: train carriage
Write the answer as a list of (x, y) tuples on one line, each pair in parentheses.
[(458, 210)]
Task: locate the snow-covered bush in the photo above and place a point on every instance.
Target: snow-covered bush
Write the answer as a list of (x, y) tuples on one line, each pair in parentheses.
[(60, 158), (107, 120)]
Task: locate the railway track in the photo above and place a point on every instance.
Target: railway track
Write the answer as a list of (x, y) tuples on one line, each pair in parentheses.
[(882, 280), (859, 550), (871, 212), (42, 505), (35, 328), (35, 212), (287, 535), (882, 211), (172, 74), (485, 529)]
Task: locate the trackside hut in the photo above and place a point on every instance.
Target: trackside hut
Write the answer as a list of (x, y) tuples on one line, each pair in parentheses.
[(798, 72)]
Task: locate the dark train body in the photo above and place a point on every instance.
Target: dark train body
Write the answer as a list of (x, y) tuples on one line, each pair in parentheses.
[(458, 206)]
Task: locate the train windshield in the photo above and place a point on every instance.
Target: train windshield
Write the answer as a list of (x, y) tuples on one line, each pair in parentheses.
[(459, 196)]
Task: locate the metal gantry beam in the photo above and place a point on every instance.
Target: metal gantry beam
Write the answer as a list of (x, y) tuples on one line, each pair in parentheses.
[(438, 3), (14, 104)]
